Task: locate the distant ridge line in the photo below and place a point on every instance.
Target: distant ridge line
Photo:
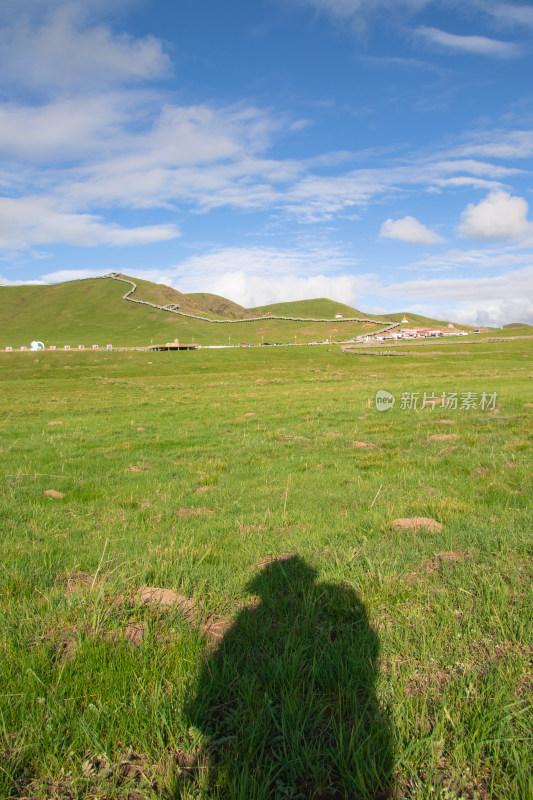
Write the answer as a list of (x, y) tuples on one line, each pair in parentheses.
[(171, 309)]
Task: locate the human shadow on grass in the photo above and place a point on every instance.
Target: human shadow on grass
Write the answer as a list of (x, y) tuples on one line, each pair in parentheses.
[(287, 702)]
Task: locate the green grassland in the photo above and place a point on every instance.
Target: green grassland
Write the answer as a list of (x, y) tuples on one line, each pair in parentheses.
[(358, 661), (92, 312), (320, 307)]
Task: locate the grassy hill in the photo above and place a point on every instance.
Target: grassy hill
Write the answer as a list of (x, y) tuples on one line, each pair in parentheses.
[(321, 307), (92, 312), (418, 319), (203, 304)]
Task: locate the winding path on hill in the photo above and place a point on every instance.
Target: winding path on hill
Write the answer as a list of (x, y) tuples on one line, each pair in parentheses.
[(172, 308)]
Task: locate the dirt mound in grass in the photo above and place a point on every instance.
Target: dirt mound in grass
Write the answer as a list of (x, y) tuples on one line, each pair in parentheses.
[(153, 595), (415, 524), (440, 437), (211, 627), (526, 405), (446, 421), (56, 422), (53, 493), (363, 444)]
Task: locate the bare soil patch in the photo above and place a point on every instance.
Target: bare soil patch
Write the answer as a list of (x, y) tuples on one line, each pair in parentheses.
[(363, 444), (78, 581), (416, 523), (448, 450), (202, 489), (193, 512), (264, 562), (446, 421), (440, 437), (53, 493), (244, 529), (56, 422), (431, 565), (526, 405)]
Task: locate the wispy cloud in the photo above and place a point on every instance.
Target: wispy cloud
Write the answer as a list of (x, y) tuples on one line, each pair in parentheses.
[(34, 221), (477, 45), (66, 54), (509, 14)]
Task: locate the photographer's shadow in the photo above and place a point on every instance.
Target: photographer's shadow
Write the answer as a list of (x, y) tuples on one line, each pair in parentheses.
[(287, 702)]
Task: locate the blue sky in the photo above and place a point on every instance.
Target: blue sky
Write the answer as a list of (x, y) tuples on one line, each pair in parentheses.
[(378, 152)]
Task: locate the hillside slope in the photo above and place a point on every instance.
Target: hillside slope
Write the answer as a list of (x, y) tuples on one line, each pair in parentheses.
[(203, 304), (419, 320), (321, 307)]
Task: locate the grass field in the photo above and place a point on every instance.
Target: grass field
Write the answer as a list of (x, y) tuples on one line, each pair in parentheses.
[(303, 647)]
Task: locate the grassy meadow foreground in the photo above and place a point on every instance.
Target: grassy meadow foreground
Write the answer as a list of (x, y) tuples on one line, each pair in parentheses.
[(303, 647)]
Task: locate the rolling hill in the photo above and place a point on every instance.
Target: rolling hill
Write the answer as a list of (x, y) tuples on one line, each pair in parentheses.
[(320, 307)]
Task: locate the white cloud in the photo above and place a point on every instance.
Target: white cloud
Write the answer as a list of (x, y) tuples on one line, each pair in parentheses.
[(498, 216), (59, 54), (478, 45), (62, 275), (255, 276), (253, 290), (8, 282), (494, 300), (63, 129), (32, 220), (509, 14), (409, 230)]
